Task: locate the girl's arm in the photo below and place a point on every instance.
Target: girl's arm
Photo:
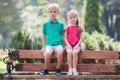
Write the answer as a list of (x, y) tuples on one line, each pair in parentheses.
[(80, 40), (65, 39), (43, 41)]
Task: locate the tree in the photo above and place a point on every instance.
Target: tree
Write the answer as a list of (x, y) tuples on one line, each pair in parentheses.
[(111, 17), (92, 16), (9, 20)]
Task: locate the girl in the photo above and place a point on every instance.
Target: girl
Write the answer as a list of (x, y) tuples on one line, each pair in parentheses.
[(73, 33)]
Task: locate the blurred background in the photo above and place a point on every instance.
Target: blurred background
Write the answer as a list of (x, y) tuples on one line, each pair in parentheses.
[(21, 22)]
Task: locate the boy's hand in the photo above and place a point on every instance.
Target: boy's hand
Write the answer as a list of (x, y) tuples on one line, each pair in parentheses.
[(43, 49)]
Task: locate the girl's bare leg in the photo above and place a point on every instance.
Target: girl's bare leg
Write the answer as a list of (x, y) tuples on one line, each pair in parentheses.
[(75, 60), (69, 59)]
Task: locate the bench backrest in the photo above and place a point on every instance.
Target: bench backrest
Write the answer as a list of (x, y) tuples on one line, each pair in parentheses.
[(82, 67)]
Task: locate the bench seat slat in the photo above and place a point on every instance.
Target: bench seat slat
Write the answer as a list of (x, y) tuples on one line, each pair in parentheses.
[(30, 54), (63, 76), (81, 67), (99, 55)]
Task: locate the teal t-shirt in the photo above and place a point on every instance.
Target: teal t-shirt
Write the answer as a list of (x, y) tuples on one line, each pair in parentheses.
[(53, 31)]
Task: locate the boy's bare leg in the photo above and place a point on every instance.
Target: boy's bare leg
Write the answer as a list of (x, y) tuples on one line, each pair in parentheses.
[(47, 55), (59, 56), (47, 60)]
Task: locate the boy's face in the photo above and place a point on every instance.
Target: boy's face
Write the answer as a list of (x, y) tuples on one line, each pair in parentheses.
[(53, 12)]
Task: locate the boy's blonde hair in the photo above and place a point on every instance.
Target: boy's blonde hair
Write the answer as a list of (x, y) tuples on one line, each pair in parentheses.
[(53, 5)]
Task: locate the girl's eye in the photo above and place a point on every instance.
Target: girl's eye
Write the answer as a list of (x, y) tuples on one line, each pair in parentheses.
[(54, 11), (70, 17)]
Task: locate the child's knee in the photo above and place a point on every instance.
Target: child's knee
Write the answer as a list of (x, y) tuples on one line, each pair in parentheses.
[(59, 49), (68, 50), (48, 50)]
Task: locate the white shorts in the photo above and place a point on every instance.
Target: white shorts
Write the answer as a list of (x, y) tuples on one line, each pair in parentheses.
[(50, 49)]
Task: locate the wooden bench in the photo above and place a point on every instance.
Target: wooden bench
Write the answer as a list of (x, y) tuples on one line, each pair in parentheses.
[(96, 70)]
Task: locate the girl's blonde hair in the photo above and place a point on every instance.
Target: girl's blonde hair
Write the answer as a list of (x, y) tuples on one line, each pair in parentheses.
[(76, 13)]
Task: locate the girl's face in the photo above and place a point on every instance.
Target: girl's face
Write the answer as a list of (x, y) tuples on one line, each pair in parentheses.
[(72, 18)]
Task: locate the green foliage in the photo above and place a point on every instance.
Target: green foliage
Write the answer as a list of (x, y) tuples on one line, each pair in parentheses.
[(92, 16), (94, 41), (98, 41), (22, 40), (9, 21)]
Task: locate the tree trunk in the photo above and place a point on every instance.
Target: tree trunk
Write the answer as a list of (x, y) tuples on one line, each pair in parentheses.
[(117, 28)]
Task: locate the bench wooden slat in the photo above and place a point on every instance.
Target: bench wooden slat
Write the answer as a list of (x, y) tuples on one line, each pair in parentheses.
[(63, 76), (30, 54), (81, 67), (99, 55)]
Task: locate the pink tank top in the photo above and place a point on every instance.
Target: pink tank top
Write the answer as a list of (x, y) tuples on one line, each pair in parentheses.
[(73, 34)]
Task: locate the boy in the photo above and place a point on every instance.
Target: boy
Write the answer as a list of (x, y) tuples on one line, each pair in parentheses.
[(52, 39)]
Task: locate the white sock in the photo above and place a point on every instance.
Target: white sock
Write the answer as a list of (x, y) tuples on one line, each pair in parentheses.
[(70, 70), (74, 69)]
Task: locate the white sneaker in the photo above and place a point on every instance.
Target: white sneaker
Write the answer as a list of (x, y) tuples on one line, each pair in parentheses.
[(69, 73), (75, 73)]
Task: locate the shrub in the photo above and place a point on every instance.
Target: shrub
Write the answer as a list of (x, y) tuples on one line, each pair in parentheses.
[(22, 40), (98, 41), (94, 41)]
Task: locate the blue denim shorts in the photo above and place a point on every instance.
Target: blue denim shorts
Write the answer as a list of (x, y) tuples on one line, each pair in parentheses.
[(80, 47)]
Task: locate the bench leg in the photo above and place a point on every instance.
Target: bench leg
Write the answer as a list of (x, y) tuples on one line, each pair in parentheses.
[(9, 76), (9, 69)]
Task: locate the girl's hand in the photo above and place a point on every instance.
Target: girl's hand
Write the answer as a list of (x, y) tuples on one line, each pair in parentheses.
[(69, 45), (76, 46)]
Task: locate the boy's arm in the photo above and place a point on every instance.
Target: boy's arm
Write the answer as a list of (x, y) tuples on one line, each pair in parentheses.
[(43, 36), (43, 41)]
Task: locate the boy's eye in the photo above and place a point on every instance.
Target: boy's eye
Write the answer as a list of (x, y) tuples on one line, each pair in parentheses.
[(52, 11)]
